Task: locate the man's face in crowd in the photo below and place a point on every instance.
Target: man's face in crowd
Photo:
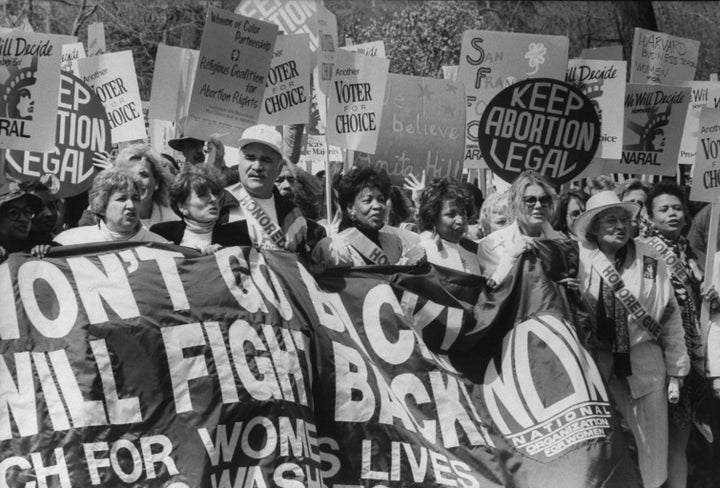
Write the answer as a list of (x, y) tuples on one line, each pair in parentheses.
[(259, 168)]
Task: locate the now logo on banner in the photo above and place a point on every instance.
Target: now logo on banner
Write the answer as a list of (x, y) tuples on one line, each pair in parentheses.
[(543, 411)]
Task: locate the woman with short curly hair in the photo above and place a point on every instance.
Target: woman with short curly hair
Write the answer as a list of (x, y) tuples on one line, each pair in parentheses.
[(113, 200), (442, 217), (361, 240)]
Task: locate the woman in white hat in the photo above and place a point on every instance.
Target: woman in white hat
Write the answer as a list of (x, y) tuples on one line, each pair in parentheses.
[(637, 327)]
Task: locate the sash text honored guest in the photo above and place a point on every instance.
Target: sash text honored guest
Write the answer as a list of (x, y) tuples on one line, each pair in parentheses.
[(265, 218), (637, 325)]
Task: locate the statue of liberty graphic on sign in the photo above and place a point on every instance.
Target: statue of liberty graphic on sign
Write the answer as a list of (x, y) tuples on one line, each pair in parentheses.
[(652, 134), (17, 92)]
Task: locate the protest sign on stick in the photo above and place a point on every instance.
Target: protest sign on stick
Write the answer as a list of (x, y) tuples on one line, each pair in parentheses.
[(703, 93), (323, 69), (654, 121), (227, 95), (292, 16), (287, 91), (82, 130), (356, 101), (660, 58), (603, 83), (491, 61), (172, 83), (113, 78), (374, 48), (422, 129), (540, 124), (29, 82), (96, 39), (70, 54)]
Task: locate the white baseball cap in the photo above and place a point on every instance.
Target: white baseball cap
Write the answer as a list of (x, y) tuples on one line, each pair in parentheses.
[(262, 134)]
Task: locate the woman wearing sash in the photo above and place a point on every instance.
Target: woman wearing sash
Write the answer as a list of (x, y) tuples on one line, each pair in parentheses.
[(637, 335), (666, 210), (442, 218), (531, 203), (361, 240)]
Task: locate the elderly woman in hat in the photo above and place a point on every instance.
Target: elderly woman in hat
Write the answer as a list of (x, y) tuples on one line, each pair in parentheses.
[(637, 327), (17, 209), (114, 202)]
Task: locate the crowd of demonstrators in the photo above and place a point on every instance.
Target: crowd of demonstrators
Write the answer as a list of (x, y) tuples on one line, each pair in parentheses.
[(643, 234)]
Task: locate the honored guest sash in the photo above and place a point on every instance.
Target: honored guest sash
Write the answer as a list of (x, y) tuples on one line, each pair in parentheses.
[(273, 236), (604, 268), (671, 260), (367, 248)]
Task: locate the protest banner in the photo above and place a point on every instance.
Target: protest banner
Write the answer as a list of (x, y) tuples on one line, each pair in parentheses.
[(703, 93), (541, 124), (606, 53), (654, 121), (29, 82), (292, 16), (356, 101), (705, 184), (96, 39), (422, 129), (375, 48), (82, 130), (603, 83), (227, 95), (113, 78), (287, 90), (142, 365), (172, 82), (660, 58), (491, 61), (70, 54)]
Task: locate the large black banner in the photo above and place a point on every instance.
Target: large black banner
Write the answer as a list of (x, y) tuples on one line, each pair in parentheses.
[(147, 366)]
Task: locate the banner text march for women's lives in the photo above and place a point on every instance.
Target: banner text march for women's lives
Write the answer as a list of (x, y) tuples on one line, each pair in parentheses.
[(145, 366)]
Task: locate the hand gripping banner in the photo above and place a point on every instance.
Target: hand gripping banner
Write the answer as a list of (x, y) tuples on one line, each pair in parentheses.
[(149, 366)]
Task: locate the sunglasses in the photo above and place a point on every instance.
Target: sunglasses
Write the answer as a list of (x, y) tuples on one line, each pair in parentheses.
[(15, 213), (544, 200)]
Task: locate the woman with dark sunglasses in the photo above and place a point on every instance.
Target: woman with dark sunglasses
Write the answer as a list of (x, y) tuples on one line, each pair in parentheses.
[(532, 201)]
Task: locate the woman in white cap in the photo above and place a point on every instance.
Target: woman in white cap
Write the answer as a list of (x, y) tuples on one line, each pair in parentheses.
[(637, 328)]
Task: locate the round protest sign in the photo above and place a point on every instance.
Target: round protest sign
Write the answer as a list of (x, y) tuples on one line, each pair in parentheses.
[(539, 124), (82, 130)]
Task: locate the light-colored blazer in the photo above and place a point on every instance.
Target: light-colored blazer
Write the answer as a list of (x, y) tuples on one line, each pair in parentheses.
[(499, 250), (650, 361)]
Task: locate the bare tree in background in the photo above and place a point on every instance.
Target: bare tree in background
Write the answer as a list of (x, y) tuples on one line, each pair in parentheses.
[(628, 16)]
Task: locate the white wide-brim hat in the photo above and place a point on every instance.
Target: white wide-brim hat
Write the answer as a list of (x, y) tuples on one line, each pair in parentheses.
[(597, 203), (262, 134)]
